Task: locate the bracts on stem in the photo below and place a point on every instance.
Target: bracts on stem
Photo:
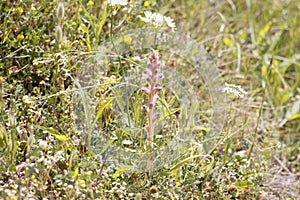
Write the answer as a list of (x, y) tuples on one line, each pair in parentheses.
[(153, 79)]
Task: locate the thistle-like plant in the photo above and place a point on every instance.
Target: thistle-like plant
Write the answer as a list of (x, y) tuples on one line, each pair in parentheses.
[(151, 91)]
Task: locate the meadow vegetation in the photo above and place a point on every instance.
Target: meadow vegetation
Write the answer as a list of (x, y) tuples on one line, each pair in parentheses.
[(75, 90)]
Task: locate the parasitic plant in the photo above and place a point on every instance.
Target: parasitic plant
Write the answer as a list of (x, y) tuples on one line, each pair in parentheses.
[(152, 91)]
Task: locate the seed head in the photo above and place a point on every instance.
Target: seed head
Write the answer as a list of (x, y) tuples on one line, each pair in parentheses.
[(60, 12), (58, 34)]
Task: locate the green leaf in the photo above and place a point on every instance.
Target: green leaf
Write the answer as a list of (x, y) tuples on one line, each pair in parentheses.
[(292, 113), (166, 111), (263, 32), (53, 132), (264, 72), (183, 162), (107, 146), (75, 173), (244, 184), (294, 116), (101, 23), (265, 29), (284, 98), (104, 105), (121, 169), (83, 28)]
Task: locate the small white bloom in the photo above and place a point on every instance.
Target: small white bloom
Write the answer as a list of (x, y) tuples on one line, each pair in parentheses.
[(117, 2), (157, 19), (234, 89), (170, 22), (43, 144), (147, 18), (27, 100)]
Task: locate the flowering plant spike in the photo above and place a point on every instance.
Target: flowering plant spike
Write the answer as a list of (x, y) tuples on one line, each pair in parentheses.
[(153, 79)]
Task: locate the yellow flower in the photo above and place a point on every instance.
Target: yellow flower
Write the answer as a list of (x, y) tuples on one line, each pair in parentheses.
[(153, 189), (33, 8), (90, 3), (20, 36), (146, 3), (20, 10), (105, 61), (127, 39)]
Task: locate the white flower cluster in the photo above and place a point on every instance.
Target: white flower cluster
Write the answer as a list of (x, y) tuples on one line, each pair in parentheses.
[(158, 20), (234, 89), (117, 2)]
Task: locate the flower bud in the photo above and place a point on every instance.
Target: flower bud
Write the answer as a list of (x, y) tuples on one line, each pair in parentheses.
[(154, 57), (155, 98), (148, 80), (151, 105), (156, 116), (160, 76), (157, 89), (146, 108), (149, 72), (146, 90)]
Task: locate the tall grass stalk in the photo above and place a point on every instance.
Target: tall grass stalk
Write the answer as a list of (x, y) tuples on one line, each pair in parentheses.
[(13, 143)]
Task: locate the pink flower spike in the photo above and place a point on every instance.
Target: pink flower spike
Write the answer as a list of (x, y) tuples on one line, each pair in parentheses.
[(146, 90), (151, 105), (146, 108), (156, 116), (157, 65), (155, 98), (148, 80), (154, 57), (149, 72), (157, 89), (160, 76)]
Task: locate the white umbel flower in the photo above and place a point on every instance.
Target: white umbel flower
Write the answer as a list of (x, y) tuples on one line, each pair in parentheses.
[(117, 2), (157, 20)]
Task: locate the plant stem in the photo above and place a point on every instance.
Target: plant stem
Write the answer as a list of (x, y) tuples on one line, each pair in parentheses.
[(150, 116)]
